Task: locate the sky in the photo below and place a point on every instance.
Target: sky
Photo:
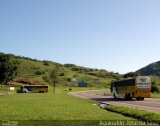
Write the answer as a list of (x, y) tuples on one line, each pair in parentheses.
[(115, 35)]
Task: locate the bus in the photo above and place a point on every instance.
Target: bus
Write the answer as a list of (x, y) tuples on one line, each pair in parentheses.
[(138, 87), (34, 89)]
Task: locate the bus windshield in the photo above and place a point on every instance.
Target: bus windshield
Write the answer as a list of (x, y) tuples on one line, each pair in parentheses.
[(143, 82)]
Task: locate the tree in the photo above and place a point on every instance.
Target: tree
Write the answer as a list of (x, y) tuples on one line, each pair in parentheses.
[(154, 87), (46, 63), (53, 77), (130, 74), (8, 68)]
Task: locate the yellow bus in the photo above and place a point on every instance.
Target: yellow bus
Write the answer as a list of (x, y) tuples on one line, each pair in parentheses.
[(138, 87), (34, 89)]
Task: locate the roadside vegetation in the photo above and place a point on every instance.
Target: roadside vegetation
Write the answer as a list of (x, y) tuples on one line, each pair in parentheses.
[(3, 89), (155, 87), (142, 115), (155, 95)]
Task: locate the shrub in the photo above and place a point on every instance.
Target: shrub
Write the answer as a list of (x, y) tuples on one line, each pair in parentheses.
[(19, 91), (136, 113), (38, 72), (45, 63), (46, 78), (69, 65), (61, 74), (154, 88)]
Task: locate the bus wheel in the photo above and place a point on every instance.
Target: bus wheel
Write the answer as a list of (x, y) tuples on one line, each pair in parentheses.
[(138, 98), (128, 96), (114, 96)]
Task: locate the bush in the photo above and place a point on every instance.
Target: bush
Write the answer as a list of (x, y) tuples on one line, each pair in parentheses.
[(46, 63), (38, 72), (136, 113), (62, 74), (69, 65), (154, 88), (19, 91), (46, 78), (130, 74)]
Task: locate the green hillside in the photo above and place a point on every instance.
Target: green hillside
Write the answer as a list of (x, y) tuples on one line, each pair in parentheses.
[(151, 69), (34, 71)]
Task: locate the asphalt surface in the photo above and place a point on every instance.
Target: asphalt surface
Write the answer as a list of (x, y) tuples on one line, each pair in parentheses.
[(104, 96)]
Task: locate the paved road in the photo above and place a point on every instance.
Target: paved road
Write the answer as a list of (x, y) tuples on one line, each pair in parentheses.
[(103, 96)]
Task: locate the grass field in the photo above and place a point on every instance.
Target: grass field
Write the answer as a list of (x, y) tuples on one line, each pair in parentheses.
[(155, 95), (51, 106), (61, 89), (3, 89), (136, 113), (57, 106)]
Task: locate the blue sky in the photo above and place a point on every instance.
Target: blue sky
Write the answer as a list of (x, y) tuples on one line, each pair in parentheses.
[(116, 35)]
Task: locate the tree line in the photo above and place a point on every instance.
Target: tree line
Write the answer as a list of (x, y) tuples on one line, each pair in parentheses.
[(8, 68)]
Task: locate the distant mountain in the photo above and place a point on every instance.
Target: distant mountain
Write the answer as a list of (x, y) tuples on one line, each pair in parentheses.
[(151, 69)]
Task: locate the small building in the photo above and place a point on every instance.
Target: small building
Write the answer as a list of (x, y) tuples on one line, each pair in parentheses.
[(11, 88), (82, 83), (71, 79)]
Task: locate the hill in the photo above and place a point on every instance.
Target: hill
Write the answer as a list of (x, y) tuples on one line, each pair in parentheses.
[(33, 71), (151, 69)]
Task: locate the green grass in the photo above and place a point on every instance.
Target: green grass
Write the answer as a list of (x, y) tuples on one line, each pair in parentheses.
[(52, 106), (155, 95), (59, 88), (27, 70), (3, 89), (136, 113), (62, 89)]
